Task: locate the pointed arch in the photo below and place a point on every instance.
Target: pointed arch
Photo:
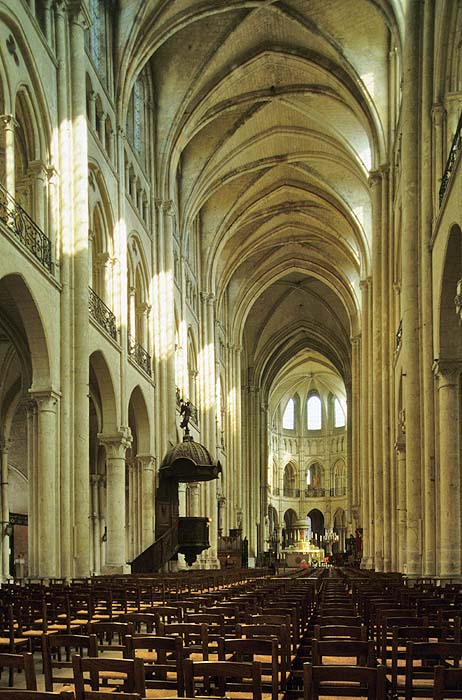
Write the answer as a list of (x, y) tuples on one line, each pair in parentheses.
[(102, 386)]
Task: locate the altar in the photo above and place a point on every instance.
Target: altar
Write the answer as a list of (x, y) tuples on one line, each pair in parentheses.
[(303, 550)]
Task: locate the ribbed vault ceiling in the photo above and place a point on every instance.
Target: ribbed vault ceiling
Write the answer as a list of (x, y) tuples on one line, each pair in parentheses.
[(270, 115)]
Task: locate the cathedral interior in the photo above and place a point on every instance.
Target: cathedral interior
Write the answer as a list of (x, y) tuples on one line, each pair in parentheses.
[(250, 206)]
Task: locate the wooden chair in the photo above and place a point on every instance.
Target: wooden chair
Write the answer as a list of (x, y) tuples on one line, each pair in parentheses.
[(21, 663), (216, 675), (94, 672), (340, 632), (194, 635), (162, 658), (143, 622), (258, 649), (346, 649), (349, 681), (401, 636), (110, 635), (11, 639), (447, 683), (14, 694), (57, 650), (215, 626), (421, 658), (279, 632)]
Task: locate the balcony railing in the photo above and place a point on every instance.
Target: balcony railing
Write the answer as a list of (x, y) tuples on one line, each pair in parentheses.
[(25, 229), (315, 492), (139, 355), (102, 314), (338, 491), (291, 493), (453, 153)]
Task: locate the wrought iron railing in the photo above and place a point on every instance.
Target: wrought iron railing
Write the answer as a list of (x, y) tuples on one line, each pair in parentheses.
[(101, 313), (139, 355), (25, 229), (291, 493), (399, 336), (338, 491), (453, 153), (315, 492)]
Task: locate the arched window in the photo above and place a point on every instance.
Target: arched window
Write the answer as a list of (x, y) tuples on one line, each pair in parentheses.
[(314, 413), (339, 416), (288, 419)]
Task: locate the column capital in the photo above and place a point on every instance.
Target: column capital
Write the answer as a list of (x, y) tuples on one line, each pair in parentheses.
[(4, 445), (355, 339), (400, 447), (9, 122), (45, 400), (38, 167), (375, 178), (79, 14), (60, 7), (364, 284), (438, 112), (116, 444), (148, 462), (446, 371)]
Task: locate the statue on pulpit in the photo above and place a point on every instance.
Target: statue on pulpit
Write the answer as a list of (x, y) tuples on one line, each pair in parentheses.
[(185, 411)]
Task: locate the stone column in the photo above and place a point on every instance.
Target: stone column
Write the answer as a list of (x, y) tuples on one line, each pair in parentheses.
[(5, 539), (92, 109), (168, 312), (438, 155), (386, 256), (9, 125), (410, 284), (79, 22), (33, 486), (354, 417), (375, 182), (64, 247), (38, 170), (95, 522), (148, 465), (116, 446), (448, 376), (364, 423), (47, 514), (131, 312), (400, 498)]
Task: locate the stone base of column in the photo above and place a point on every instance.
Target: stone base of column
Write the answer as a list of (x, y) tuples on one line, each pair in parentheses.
[(112, 569)]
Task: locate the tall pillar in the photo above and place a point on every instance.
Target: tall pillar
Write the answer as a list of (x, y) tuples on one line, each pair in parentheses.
[(46, 523), (364, 418), (9, 125), (64, 255), (386, 370), (410, 284), (400, 498), (448, 375), (116, 447), (32, 470), (148, 464), (168, 312), (39, 171), (5, 539), (354, 417), (426, 192), (438, 155), (375, 181), (79, 22)]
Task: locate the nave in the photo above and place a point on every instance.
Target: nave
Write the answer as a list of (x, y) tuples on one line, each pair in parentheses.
[(335, 632)]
